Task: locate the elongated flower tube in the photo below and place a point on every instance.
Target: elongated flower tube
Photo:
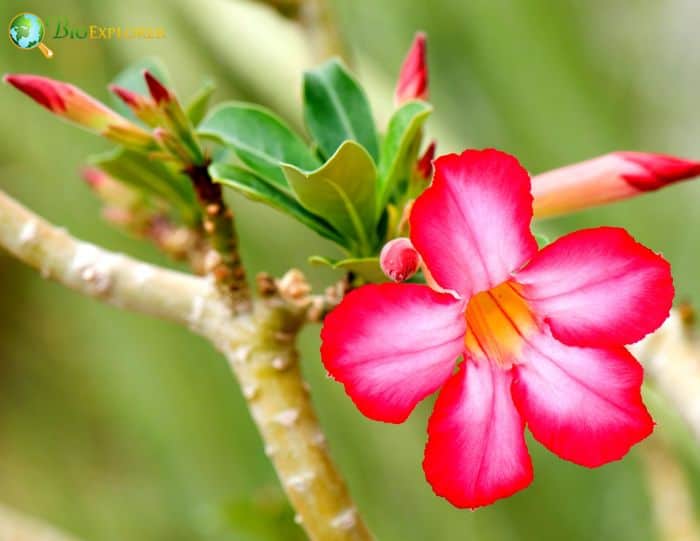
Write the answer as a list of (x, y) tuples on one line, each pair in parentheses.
[(605, 179), (413, 77), (74, 105), (541, 334)]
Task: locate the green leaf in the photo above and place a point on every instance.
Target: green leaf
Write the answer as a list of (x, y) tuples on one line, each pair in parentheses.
[(197, 105), (396, 159), (132, 79), (341, 191), (152, 177), (260, 139), (336, 109), (257, 189), (367, 267)]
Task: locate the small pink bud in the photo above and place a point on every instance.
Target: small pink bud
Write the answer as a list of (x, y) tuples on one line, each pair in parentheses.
[(74, 105), (132, 99), (607, 178), (158, 92), (413, 78), (425, 162), (95, 177), (399, 259)]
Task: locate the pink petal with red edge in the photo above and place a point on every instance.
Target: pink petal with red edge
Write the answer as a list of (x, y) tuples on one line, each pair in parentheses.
[(598, 287), (391, 345), (472, 225), (583, 404), (476, 451)]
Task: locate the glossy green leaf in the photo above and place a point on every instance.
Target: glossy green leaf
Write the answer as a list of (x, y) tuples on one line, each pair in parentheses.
[(260, 139), (342, 191), (336, 109), (197, 105), (257, 189), (132, 79), (367, 267), (151, 176), (398, 145)]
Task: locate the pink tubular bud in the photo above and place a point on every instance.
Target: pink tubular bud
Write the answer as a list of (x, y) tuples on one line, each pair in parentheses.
[(425, 162), (158, 92), (74, 105), (608, 178), (413, 78), (399, 259)]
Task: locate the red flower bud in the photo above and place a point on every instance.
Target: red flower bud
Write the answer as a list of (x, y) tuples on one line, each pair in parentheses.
[(399, 259), (74, 105), (425, 162), (413, 78), (612, 177), (158, 92)]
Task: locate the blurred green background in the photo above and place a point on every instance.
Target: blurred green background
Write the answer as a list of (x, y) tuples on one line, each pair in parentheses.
[(117, 427)]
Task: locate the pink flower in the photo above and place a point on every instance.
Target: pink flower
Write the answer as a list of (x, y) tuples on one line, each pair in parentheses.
[(542, 334), (608, 178), (413, 78)]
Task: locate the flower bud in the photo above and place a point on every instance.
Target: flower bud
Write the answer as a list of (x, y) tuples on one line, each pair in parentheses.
[(159, 92), (605, 179), (399, 259), (74, 105), (142, 106), (413, 78), (425, 162)]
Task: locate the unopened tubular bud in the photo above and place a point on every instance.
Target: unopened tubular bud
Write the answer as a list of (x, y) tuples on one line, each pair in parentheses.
[(74, 105), (413, 78), (158, 91), (425, 162), (399, 259), (142, 106), (608, 178)]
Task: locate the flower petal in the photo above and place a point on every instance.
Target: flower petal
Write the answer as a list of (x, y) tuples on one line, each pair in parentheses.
[(583, 404), (472, 226), (476, 449), (598, 287), (391, 345)]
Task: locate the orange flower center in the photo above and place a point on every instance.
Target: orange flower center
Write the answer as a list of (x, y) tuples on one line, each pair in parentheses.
[(498, 322)]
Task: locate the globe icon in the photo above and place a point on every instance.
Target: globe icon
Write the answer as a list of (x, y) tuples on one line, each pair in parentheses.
[(27, 32)]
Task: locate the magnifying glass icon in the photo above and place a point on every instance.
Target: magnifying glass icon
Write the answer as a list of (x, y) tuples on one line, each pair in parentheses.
[(27, 31)]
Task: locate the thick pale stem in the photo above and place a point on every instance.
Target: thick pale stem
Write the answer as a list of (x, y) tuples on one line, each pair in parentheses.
[(259, 344), (112, 278), (261, 352), (672, 361), (15, 526)]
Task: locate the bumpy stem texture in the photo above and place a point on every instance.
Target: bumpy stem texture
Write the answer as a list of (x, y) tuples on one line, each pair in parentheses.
[(259, 345), (220, 229)]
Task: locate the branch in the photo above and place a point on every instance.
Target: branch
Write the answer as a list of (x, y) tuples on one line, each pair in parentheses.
[(671, 359), (17, 527), (113, 278), (259, 345)]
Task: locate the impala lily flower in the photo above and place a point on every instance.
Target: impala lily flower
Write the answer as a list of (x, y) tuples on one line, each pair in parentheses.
[(541, 334), (413, 78), (74, 105), (608, 178)]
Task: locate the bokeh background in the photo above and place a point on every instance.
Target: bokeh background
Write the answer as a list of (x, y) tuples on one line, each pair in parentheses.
[(118, 427)]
